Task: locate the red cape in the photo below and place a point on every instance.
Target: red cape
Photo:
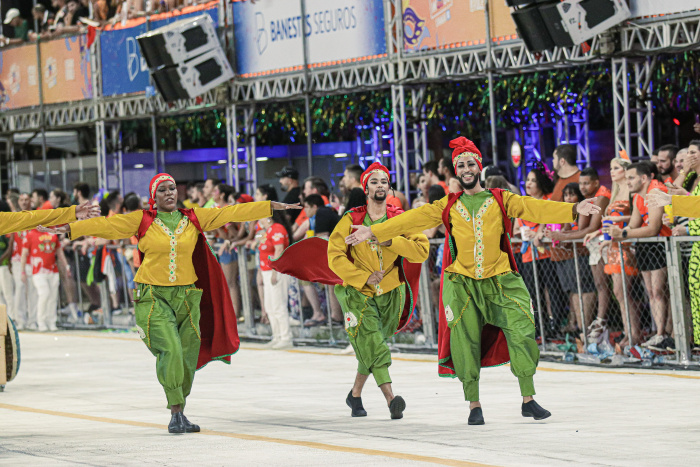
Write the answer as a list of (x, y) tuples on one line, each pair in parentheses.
[(307, 260), (218, 325), (494, 348)]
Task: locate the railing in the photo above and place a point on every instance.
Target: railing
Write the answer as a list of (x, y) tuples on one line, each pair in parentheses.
[(567, 296)]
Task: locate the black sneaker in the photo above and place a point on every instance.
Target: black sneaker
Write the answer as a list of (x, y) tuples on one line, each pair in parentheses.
[(396, 407), (189, 426), (476, 416), (355, 403), (669, 344), (534, 410), (177, 423)]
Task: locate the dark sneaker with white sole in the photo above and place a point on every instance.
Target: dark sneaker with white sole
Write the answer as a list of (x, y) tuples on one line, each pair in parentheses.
[(476, 417), (534, 410), (396, 407), (355, 403)]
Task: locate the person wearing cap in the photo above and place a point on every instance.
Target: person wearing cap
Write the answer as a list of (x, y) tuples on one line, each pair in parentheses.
[(178, 273), (486, 315), (19, 25), (374, 296), (289, 182)]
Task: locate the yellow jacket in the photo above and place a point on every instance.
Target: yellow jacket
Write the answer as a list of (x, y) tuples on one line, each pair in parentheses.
[(168, 255), (479, 254), (368, 258), (686, 206), (18, 221)]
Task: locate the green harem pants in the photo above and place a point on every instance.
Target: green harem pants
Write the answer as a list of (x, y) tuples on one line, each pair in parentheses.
[(369, 322), (502, 301), (167, 319)]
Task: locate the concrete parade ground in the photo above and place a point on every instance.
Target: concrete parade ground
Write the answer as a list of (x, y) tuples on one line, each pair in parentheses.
[(85, 398)]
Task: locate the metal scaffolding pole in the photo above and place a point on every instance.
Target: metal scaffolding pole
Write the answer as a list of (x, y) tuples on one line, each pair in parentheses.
[(307, 90), (492, 99), (231, 147), (42, 116)]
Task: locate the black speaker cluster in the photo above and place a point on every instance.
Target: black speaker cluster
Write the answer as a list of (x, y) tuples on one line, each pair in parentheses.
[(545, 24), (185, 58)]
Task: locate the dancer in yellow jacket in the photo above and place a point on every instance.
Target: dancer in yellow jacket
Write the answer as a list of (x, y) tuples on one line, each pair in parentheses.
[(375, 297), (26, 220), (481, 289), (167, 306)]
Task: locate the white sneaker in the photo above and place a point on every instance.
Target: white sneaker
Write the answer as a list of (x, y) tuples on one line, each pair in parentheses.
[(270, 344), (348, 350), (294, 322), (283, 344), (596, 329), (654, 341)]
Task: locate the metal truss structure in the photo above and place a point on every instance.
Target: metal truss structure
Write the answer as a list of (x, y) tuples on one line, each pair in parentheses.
[(573, 129), (405, 74)]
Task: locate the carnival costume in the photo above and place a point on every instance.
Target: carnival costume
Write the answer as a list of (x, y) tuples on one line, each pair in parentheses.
[(486, 316), (372, 313), (16, 222), (178, 277)]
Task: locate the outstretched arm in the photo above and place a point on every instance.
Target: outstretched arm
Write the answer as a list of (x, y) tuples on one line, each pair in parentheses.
[(410, 222), (338, 259), (213, 218), (110, 228), (546, 212), (26, 220), (685, 206)]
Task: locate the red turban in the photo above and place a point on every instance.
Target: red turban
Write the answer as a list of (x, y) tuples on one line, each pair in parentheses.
[(244, 198), (155, 181), (375, 167), (464, 147)]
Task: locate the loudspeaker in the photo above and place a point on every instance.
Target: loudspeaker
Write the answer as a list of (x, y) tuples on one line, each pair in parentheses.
[(567, 22), (555, 25), (194, 77), (532, 29), (584, 19), (178, 41), (185, 58)]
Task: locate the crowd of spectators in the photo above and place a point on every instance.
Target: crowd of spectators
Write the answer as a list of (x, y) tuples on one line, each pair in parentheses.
[(586, 277), (54, 18)]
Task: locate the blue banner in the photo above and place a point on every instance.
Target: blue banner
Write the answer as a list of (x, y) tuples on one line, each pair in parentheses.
[(124, 70), (268, 34)]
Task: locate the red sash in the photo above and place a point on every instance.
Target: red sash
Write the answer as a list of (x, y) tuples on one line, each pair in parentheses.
[(217, 324), (494, 348)]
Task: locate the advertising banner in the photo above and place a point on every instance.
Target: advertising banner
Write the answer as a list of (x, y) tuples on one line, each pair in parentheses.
[(65, 67), (268, 35), (436, 24), (124, 70), (19, 81), (640, 8)]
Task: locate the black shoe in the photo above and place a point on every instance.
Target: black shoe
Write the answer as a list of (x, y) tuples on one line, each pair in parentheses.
[(189, 426), (177, 423), (396, 407), (534, 410), (476, 417), (355, 403)]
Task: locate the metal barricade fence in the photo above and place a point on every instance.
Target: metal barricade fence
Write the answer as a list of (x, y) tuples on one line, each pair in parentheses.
[(97, 296), (636, 311), (584, 311), (419, 333)]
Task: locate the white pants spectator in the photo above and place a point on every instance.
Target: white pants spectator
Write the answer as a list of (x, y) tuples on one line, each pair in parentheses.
[(276, 297), (7, 290), (25, 314), (46, 286)]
